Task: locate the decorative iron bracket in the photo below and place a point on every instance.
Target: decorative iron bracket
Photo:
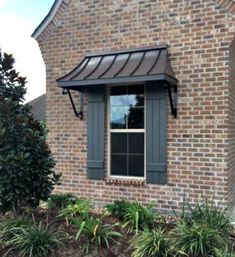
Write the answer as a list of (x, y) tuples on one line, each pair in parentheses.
[(79, 113), (172, 93)]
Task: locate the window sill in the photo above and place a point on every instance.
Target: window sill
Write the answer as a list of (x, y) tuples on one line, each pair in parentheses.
[(125, 181)]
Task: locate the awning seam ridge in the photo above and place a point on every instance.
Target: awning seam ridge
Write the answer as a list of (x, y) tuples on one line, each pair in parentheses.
[(114, 59), (124, 65), (155, 62), (97, 65), (137, 67), (77, 74)]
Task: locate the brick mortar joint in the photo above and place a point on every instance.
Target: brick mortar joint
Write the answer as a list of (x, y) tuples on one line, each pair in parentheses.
[(125, 181)]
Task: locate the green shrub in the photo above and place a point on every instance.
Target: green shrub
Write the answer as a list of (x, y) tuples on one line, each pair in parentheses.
[(223, 253), (97, 233), (152, 243), (118, 208), (26, 163), (139, 217), (59, 201), (209, 213), (197, 239), (79, 208), (36, 240), (8, 228)]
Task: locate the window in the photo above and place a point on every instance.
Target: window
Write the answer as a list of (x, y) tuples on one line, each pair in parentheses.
[(127, 131)]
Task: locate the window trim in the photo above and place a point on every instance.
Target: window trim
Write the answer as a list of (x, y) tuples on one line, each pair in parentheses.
[(109, 130)]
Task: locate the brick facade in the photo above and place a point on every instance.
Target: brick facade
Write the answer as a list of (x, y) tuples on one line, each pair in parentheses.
[(201, 141)]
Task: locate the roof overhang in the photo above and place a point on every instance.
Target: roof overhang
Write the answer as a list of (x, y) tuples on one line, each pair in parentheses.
[(129, 66), (135, 65), (81, 85)]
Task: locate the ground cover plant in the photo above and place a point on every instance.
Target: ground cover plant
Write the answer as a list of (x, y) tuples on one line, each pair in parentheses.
[(98, 233), (79, 208), (151, 243), (138, 217), (118, 208), (35, 240), (59, 201), (198, 239)]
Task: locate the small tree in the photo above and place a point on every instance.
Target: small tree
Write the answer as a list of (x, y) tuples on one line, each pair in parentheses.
[(26, 163)]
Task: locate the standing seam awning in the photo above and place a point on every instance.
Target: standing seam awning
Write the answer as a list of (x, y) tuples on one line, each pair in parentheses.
[(136, 65)]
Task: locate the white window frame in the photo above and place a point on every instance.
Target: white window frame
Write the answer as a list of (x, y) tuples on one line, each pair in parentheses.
[(109, 130)]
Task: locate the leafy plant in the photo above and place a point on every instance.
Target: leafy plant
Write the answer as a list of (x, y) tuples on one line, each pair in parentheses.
[(26, 162), (79, 208), (223, 253), (183, 213), (36, 240), (209, 213), (139, 217), (9, 226), (97, 233), (118, 208), (151, 243), (59, 201), (197, 239)]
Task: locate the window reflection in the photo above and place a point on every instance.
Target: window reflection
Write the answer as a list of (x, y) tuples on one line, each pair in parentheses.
[(136, 118), (118, 117), (127, 107)]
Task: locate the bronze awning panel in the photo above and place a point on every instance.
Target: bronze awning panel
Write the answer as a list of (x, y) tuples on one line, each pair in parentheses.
[(136, 65)]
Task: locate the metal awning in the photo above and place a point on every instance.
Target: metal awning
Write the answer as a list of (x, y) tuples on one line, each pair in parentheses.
[(136, 65)]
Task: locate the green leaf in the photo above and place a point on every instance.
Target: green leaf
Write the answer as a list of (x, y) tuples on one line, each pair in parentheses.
[(80, 230)]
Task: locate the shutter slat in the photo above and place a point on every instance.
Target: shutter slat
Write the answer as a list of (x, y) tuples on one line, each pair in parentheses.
[(95, 162), (156, 134)]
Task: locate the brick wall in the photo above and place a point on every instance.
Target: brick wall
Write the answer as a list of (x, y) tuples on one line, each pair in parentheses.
[(231, 156), (199, 33)]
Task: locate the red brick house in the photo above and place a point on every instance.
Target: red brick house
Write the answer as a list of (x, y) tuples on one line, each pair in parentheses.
[(152, 87)]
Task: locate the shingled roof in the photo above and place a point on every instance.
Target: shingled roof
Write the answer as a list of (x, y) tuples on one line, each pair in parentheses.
[(38, 106)]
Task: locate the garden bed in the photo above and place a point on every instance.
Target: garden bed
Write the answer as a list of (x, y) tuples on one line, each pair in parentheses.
[(72, 247), (122, 229)]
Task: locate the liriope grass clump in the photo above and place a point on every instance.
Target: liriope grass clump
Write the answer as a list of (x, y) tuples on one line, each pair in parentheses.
[(36, 241), (152, 243)]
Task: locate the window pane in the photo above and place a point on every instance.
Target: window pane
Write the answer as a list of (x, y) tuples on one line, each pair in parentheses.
[(136, 143), (118, 164), (118, 117), (136, 165), (118, 143), (120, 100), (118, 96), (135, 96), (136, 118), (136, 90), (119, 90)]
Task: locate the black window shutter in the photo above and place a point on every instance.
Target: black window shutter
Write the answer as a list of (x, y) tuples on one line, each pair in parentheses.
[(156, 134), (95, 161)]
